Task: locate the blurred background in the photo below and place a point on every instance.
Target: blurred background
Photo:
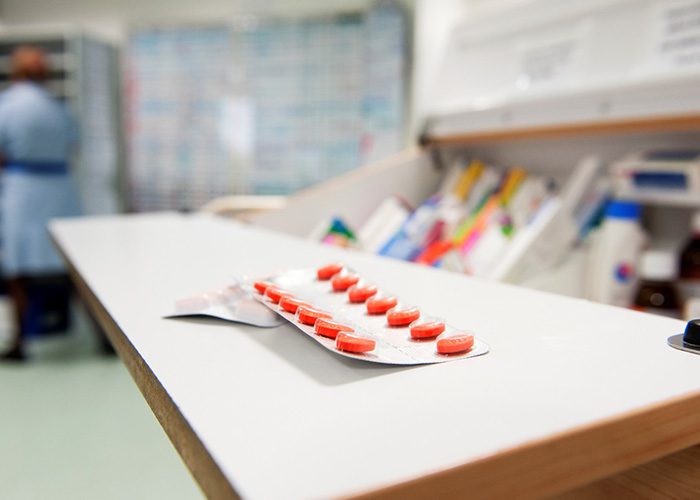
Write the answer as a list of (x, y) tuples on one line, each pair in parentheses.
[(546, 143)]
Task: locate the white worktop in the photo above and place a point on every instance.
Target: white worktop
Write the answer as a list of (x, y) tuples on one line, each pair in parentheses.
[(284, 418)]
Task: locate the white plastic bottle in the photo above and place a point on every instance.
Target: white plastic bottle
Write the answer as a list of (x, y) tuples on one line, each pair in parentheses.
[(612, 276)]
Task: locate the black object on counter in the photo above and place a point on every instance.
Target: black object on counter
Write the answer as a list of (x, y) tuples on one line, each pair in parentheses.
[(692, 333), (688, 341)]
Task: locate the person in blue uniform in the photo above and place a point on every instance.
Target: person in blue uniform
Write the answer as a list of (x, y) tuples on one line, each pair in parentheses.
[(37, 139)]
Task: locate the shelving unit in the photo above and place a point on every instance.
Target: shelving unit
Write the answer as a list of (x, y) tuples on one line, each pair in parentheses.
[(605, 94), (287, 103)]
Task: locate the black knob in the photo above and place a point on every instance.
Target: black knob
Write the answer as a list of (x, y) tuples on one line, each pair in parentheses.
[(692, 332)]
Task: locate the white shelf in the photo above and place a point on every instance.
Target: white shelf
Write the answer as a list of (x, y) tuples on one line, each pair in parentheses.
[(672, 104)]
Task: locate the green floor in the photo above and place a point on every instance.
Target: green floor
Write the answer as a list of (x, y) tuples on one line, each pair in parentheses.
[(73, 425)]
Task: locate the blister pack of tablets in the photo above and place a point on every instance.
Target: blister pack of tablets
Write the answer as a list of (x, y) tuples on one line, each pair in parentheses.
[(350, 315)]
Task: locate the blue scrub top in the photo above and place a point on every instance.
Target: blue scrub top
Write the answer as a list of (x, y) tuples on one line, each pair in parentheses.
[(35, 129), (34, 126)]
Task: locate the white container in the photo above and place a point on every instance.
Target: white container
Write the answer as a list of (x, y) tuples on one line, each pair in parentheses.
[(614, 256)]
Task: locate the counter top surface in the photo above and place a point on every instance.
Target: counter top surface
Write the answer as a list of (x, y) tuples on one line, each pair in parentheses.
[(283, 417)]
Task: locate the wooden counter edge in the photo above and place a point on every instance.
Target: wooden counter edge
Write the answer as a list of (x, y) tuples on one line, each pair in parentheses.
[(564, 461), (201, 465)]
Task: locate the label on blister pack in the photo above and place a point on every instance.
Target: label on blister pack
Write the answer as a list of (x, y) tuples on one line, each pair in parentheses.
[(352, 317)]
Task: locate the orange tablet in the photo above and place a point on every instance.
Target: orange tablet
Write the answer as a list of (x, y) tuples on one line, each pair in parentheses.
[(330, 329), (290, 304), (427, 330), (358, 294), (380, 305), (309, 315), (352, 343), (402, 317), (327, 272), (261, 286), (455, 345), (275, 294), (342, 282)]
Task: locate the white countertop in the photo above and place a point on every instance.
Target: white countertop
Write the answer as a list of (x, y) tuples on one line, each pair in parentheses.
[(284, 418)]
